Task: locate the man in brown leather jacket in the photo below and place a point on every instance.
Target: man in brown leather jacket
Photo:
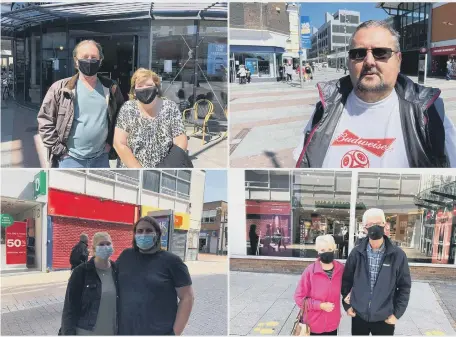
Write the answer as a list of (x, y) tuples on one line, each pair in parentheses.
[(78, 115)]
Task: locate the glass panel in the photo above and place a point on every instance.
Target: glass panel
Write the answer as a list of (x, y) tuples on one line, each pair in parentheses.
[(151, 181), (424, 230), (168, 183), (19, 62), (184, 174), (183, 187)]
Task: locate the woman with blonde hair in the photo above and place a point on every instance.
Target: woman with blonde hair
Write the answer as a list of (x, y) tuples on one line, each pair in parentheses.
[(149, 128), (90, 306), (320, 287)]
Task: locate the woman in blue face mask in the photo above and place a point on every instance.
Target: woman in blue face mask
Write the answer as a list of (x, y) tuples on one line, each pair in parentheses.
[(155, 288), (90, 306)]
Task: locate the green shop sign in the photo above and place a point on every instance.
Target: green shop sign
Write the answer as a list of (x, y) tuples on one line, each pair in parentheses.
[(39, 184), (7, 220), (338, 204)]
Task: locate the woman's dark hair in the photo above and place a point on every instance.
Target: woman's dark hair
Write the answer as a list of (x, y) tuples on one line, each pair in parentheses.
[(210, 96), (154, 224), (252, 228), (181, 94)]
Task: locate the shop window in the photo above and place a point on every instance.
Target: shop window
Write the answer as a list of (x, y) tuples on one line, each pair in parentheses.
[(151, 180)]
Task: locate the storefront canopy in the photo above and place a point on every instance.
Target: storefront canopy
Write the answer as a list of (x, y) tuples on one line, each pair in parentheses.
[(437, 197), (35, 14)]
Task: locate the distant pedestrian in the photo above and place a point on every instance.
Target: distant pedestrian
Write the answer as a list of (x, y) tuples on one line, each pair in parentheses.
[(449, 69), (155, 287), (281, 72), (289, 72), (319, 289), (308, 72), (242, 72), (254, 240), (248, 75), (80, 252), (90, 306), (78, 115), (376, 282)]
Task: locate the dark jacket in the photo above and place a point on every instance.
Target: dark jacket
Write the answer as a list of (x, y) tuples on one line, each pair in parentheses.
[(422, 126), (176, 158), (56, 115), (82, 298), (79, 254), (391, 292)]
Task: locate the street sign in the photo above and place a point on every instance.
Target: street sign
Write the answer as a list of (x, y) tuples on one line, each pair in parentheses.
[(39, 183), (300, 52), (6, 220)]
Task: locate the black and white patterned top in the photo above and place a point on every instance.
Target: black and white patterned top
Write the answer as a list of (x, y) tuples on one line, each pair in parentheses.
[(150, 138)]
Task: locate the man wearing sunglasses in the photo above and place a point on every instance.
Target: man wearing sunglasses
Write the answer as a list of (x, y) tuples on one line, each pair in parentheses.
[(376, 282), (377, 117), (77, 117)]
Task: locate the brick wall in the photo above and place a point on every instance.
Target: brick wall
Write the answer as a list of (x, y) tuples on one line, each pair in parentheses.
[(260, 16), (66, 233), (297, 267)]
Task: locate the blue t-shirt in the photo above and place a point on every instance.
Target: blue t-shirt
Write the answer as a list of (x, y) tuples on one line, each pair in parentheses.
[(89, 131)]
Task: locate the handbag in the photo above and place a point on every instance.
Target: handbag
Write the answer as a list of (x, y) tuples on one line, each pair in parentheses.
[(301, 329)]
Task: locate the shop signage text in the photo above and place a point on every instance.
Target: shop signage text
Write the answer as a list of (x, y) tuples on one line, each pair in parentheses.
[(443, 50), (268, 207), (306, 43), (39, 184), (16, 243), (338, 204), (164, 225), (7, 220)]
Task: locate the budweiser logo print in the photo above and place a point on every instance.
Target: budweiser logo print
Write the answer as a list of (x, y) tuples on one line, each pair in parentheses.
[(377, 146)]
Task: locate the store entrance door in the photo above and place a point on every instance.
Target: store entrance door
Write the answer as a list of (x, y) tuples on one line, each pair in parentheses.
[(120, 58)]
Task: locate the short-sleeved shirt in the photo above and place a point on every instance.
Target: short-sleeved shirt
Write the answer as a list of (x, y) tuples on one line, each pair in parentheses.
[(89, 131), (147, 290), (150, 138)]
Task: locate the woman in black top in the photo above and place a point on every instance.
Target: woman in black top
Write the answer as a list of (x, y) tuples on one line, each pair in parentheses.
[(90, 306), (253, 236), (151, 281)]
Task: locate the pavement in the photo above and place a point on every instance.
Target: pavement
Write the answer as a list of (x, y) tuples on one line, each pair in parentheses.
[(22, 148), (267, 119), (32, 303), (262, 304)]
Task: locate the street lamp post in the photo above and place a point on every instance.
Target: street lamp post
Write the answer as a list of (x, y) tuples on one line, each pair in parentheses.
[(318, 50), (300, 45)]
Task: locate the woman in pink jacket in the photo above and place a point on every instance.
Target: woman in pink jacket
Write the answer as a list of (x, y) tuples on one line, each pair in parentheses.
[(321, 284)]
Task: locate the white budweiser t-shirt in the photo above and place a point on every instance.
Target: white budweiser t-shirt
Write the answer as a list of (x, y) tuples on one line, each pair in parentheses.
[(368, 135)]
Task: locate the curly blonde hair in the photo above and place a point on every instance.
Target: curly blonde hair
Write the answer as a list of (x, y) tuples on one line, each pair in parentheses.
[(141, 75)]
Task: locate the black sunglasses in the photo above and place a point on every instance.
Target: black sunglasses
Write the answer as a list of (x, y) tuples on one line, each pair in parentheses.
[(378, 53)]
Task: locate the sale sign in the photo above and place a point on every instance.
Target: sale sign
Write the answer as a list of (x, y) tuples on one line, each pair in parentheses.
[(16, 243)]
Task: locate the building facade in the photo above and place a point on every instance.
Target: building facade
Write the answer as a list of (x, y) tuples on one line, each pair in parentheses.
[(413, 21), (258, 37), (213, 237), (289, 209), (90, 201), (331, 42), (443, 38), (157, 36), (24, 248)]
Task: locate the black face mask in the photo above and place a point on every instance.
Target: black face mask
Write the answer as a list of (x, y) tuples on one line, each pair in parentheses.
[(375, 232), (89, 67), (147, 95), (326, 257)]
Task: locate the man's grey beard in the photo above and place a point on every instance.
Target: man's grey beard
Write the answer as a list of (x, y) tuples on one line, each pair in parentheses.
[(378, 88)]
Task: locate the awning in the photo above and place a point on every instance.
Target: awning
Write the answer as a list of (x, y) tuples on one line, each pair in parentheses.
[(77, 11), (448, 50), (256, 49), (437, 197)]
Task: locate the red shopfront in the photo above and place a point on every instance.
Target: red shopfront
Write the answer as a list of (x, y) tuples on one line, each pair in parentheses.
[(440, 56), (71, 214), (273, 224)]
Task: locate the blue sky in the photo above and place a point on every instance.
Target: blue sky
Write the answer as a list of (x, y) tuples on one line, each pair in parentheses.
[(317, 11), (215, 186)]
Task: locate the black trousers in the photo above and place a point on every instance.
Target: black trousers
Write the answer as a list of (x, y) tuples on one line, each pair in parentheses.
[(330, 333), (362, 328), (289, 77)]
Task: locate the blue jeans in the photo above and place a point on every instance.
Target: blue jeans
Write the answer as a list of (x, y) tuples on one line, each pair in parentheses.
[(98, 162)]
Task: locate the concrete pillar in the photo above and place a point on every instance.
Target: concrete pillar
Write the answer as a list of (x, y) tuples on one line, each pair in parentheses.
[(33, 60)]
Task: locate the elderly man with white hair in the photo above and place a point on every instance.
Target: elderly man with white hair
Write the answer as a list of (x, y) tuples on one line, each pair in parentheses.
[(319, 287), (376, 282)]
